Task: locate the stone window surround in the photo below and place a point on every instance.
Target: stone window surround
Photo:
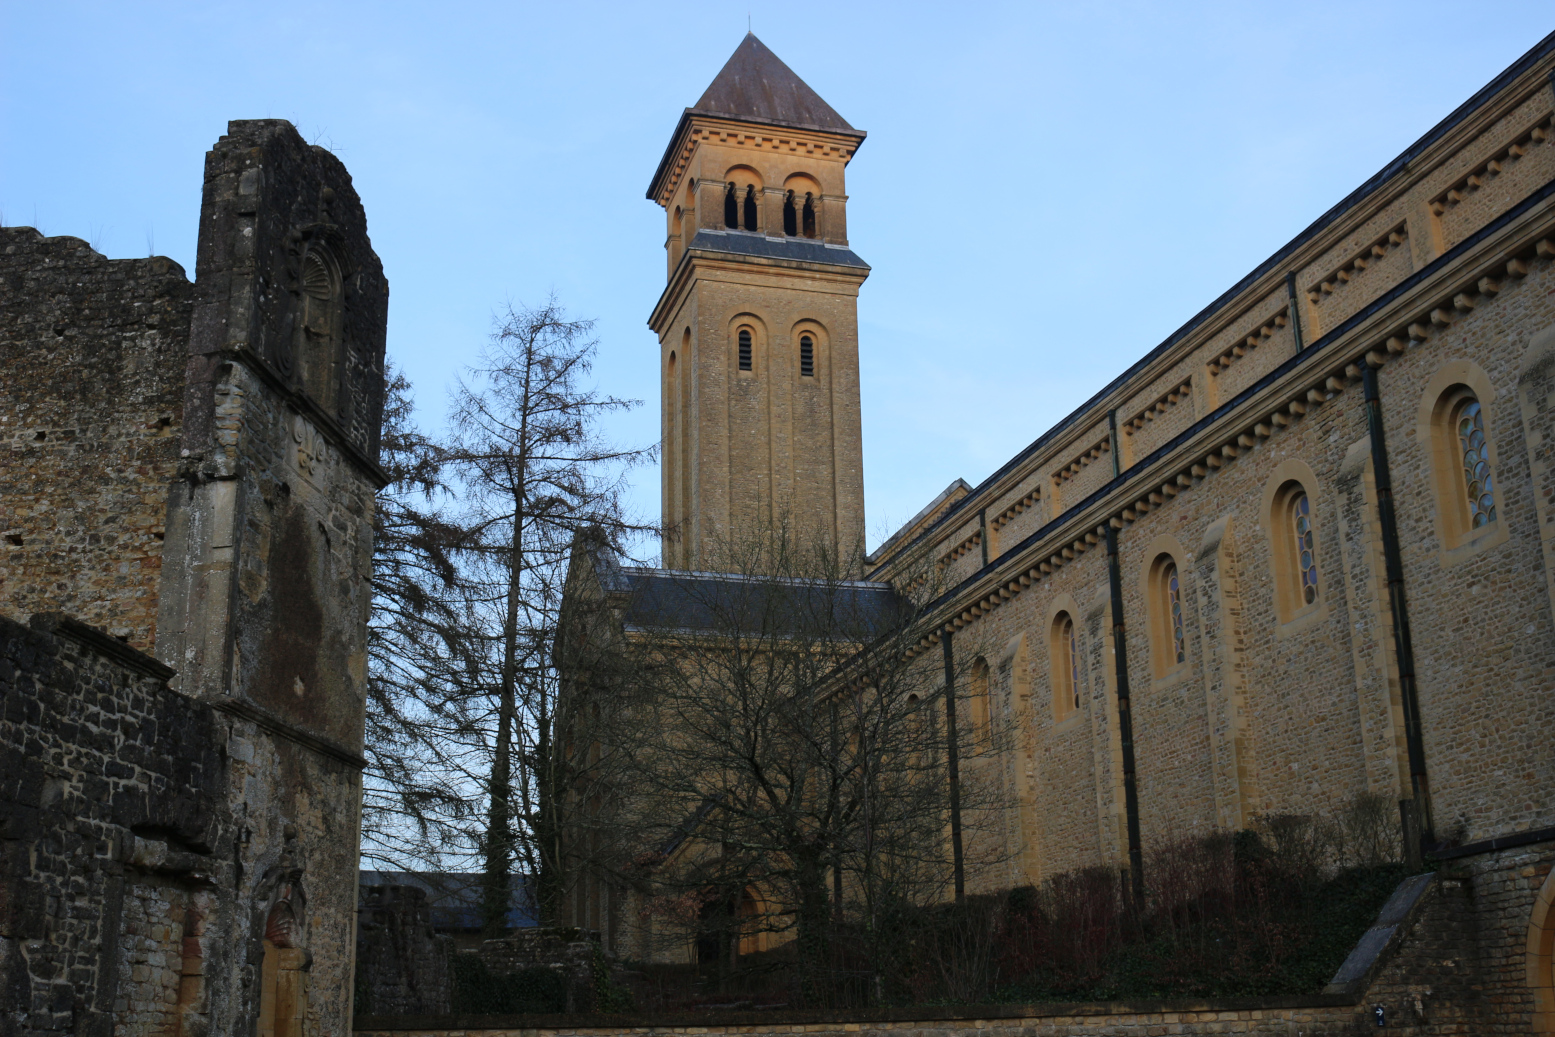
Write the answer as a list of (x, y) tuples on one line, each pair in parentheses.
[(1451, 383), (1162, 552), (1289, 477)]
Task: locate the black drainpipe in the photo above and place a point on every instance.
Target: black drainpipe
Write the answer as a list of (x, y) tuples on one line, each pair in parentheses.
[(982, 533), (1125, 721), (1295, 309), (953, 767), (1416, 811), (1113, 447)]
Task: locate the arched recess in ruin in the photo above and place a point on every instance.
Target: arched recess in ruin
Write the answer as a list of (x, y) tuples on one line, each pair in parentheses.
[(1541, 957), (283, 989), (319, 327)]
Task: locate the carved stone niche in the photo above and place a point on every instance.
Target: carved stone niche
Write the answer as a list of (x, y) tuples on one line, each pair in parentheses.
[(317, 348)]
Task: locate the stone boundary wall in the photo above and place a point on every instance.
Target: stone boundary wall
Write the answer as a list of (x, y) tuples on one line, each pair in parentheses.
[(1459, 967), (1310, 1017)]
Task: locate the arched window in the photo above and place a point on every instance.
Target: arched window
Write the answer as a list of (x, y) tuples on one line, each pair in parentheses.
[(1173, 594), (1168, 632), (754, 936), (745, 349), (806, 356), (750, 207), (1298, 581), (1299, 526), (790, 216), (1473, 452), (809, 215), (731, 207), (1065, 667), (1459, 424)]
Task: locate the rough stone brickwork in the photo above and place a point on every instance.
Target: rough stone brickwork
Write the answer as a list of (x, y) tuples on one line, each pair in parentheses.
[(113, 823), (204, 490), (91, 406), (402, 966)]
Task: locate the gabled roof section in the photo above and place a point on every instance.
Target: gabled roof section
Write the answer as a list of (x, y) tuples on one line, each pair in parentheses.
[(755, 86)]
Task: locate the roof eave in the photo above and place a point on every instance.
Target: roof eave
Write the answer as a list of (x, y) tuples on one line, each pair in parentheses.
[(666, 161)]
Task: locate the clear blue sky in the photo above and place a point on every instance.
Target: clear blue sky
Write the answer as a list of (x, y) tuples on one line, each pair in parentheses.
[(1047, 190)]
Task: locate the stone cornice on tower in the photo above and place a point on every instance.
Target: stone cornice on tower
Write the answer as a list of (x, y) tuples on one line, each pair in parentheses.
[(698, 127), (710, 252)]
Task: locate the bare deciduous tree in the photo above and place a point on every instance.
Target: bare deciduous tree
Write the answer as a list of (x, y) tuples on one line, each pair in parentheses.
[(774, 754), (533, 468)]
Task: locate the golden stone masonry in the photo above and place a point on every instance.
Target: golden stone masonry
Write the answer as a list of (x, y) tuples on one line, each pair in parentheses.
[(1301, 550)]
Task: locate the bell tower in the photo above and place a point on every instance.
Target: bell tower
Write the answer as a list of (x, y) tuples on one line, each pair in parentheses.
[(758, 324)]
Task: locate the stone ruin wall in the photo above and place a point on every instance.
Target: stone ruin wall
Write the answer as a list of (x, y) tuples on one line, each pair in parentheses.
[(114, 838), (91, 407), (190, 469)]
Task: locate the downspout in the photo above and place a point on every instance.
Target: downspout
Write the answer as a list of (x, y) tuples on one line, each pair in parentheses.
[(1295, 309), (1113, 446), (1415, 811), (1125, 721), (953, 768), (982, 533)]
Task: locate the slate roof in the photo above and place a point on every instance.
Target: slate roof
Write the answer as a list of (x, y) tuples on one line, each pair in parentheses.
[(803, 250), (666, 599), (754, 84)]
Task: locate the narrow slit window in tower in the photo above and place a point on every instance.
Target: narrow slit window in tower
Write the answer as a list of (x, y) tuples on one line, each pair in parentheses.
[(731, 208), (809, 215), (807, 356), (750, 207), (790, 217), (745, 349)]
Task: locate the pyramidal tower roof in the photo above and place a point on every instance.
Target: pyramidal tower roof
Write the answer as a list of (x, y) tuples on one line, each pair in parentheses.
[(755, 85)]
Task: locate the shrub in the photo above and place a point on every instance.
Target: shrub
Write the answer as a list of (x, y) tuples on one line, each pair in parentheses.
[(479, 991)]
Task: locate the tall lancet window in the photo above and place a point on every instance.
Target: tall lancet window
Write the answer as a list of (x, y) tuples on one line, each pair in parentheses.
[(746, 351)]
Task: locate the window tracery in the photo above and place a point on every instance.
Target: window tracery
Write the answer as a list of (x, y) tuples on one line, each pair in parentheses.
[(1173, 603), (1474, 452), (1299, 524)]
